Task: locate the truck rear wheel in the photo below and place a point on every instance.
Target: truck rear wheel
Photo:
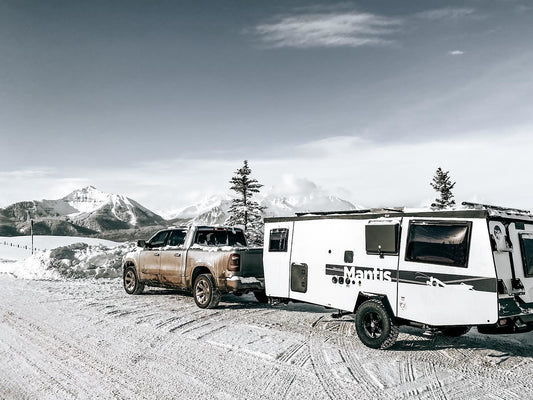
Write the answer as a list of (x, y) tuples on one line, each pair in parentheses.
[(374, 325), (132, 285), (205, 292), (261, 296)]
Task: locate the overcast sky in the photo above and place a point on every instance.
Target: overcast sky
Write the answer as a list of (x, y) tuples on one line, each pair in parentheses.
[(162, 100)]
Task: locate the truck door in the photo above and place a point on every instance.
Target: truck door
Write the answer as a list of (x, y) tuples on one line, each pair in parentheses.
[(277, 258), (446, 273), (172, 269), (150, 257)]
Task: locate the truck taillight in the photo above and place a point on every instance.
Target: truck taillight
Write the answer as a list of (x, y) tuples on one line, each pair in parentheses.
[(234, 262)]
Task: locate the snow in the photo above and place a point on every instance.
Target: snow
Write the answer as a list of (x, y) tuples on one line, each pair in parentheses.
[(13, 248), (65, 257), (81, 339)]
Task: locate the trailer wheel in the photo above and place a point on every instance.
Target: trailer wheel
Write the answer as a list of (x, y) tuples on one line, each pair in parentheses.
[(374, 325), (131, 282), (455, 331), (205, 291)]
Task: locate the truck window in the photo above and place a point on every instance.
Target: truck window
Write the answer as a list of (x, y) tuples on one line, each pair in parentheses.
[(220, 237), (381, 238), (158, 239), (439, 243), (278, 239), (177, 238), (526, 245)]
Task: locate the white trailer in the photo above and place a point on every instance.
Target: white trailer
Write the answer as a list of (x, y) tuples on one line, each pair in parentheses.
[(449, 270)]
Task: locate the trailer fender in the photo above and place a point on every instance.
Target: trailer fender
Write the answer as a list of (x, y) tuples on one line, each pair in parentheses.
[(364, 296)]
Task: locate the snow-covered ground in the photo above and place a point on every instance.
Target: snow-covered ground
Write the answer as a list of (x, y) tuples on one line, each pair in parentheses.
[(59, 257), (89, 339), (13, 248), (64, 338)]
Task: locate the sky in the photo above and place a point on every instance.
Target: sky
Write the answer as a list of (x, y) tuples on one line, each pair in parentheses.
[(163, 100)]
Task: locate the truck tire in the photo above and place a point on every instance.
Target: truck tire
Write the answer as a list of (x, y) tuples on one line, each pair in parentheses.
[(205, 292), (455, 331), (375, 326), (261, 296), (132, 285)]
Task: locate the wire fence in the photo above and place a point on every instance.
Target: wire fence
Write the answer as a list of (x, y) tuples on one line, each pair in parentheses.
[(21, 246)]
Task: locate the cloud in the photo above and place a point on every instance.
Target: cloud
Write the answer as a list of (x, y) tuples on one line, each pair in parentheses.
[(456, 52), (446, 13), (330, 29)]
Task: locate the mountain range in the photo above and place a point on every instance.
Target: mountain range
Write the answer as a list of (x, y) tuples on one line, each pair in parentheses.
[(91, 212)]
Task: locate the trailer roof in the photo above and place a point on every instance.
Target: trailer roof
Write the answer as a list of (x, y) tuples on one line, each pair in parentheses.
[(470, 210)]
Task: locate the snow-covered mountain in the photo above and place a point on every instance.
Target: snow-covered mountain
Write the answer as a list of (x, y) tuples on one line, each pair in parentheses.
[(214, 209), (84, 211), (89, 211)]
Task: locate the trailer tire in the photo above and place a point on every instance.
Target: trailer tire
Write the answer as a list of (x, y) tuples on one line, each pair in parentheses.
[(261, 296), (455, 331), (205, 291), (375, 327), (131, 282)]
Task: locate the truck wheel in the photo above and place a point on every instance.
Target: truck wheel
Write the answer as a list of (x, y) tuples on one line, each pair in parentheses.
[(455, 331), (374, 326), (205, 292), (131, 282), (261, 296)]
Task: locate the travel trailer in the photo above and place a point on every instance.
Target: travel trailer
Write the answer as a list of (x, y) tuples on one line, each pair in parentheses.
[(450, 269)]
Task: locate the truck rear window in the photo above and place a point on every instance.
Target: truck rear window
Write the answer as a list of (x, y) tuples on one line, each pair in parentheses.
[(439, 243), (526, 245), (220, 237)]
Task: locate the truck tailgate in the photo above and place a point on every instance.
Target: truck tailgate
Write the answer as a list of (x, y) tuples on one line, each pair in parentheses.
[(252, 263)]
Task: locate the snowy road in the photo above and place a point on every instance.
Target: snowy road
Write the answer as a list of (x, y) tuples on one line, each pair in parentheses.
[(88, 339)]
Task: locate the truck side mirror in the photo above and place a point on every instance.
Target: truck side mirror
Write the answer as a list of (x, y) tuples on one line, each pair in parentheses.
[(141, 243)]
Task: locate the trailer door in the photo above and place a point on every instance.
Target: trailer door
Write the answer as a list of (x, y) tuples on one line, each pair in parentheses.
[(277, 258), (446, 273)]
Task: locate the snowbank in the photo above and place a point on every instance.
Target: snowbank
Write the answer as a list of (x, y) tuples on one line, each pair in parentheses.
[(13, 248), (78, 260)]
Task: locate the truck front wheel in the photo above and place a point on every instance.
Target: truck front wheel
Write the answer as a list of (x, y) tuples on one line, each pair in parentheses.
[(205, 292), (374, 325), (132, 285)]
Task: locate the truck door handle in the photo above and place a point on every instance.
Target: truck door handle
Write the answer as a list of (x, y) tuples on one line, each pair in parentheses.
[(177, 255), (156, 254)]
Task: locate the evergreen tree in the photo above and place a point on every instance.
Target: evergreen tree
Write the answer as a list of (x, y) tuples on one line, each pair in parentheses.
[(245, 211), (443, 185)]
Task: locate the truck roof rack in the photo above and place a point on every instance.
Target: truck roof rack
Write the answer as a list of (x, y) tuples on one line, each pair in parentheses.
[(480, 206)]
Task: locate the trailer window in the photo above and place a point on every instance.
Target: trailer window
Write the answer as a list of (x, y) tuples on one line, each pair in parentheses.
[(382, 239), (439, 243), (526, 245), (278, 239)]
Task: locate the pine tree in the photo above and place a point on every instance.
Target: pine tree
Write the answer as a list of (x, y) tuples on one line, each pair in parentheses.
[(245, 211), (443, 185)]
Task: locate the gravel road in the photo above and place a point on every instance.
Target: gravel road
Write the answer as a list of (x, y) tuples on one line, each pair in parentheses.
[(88, 339)]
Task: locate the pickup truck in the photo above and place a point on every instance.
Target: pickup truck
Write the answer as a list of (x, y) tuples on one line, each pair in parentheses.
[(205, 260)]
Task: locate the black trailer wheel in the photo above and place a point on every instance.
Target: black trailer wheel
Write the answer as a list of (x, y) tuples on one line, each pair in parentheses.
[(261, 296), (205, 292), (455, 331), (132, 285), (375, 326)]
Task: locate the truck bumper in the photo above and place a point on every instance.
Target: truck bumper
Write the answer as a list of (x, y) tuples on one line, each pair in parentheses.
[(241, 284)]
